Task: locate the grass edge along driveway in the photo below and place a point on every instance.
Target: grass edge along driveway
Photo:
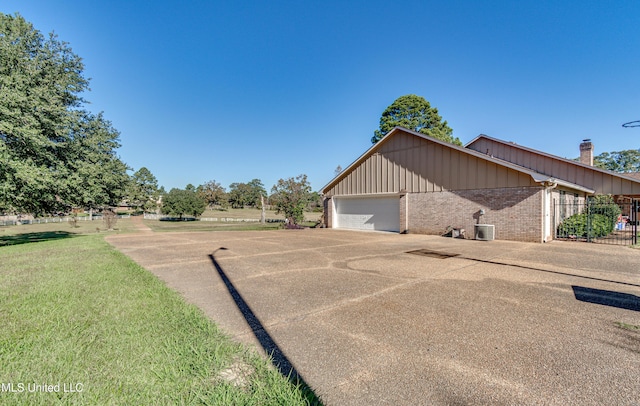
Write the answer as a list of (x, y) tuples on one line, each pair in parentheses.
[(83, 324)]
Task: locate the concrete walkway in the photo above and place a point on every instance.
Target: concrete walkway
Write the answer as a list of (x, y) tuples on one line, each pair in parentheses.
[(363, 321)]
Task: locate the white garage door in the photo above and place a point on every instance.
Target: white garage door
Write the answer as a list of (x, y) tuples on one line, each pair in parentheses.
[(377, 213)]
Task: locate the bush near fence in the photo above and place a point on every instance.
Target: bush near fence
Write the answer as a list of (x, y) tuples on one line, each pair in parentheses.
[(604, 214), (605, 206), (576, 225)]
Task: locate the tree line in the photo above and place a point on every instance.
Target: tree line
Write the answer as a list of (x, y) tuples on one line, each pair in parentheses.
[(290, 196)]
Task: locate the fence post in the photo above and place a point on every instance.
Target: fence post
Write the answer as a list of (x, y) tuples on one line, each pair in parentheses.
[(589, 225), (553, 220), (634, 221)]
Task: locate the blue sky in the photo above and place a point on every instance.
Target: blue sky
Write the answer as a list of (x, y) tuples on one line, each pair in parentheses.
[(238, 90)]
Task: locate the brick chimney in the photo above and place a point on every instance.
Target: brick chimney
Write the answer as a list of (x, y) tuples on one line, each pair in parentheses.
[(586, 152)]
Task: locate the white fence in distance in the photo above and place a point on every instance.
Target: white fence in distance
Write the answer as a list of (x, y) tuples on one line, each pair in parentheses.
[(147, 216), (46, 220), (152, 216)]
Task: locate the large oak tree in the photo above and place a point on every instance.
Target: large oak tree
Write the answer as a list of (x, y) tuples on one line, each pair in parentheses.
[(246, 194), (53, 154), (214, 194), (181, 202), (97, 177), (414, 113)]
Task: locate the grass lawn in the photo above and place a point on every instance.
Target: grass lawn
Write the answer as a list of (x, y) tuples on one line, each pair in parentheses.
[(254, 214), (10, 235), (222, 224), (157, 225), (81, 317)]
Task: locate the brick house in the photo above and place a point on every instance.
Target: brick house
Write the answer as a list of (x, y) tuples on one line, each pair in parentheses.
[(411, 183)]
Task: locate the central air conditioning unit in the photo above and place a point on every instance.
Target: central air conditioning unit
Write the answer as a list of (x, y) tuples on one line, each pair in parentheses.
[(484, 232)]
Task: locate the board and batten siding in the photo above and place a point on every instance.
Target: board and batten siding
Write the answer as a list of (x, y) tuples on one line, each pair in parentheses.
[(411, 164), (593, 178)]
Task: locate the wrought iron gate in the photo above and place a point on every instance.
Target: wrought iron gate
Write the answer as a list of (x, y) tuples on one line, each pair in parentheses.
[(597, 220)]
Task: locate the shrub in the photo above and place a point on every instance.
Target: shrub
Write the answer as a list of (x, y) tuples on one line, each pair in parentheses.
[(576, 225), (605, 206), (604, 214)]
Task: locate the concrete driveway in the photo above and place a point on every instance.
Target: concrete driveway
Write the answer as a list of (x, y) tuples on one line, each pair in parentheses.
[(363, 321)]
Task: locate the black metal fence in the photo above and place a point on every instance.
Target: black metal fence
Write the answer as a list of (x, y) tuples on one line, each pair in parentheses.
[(597, 220)]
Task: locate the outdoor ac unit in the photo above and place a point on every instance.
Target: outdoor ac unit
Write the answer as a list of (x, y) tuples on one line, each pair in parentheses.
[(484, 232)]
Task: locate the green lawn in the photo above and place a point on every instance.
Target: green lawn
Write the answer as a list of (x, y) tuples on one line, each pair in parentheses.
[(157, 225), (78, 314), (229, 220), (174, 226), (10, 235), (25, 233), (254, 213)]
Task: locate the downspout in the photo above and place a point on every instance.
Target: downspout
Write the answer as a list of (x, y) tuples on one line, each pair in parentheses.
[(546, 228)]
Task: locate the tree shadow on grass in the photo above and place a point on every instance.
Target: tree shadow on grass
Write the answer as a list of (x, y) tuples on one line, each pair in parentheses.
[(278, 358), (26, 238)]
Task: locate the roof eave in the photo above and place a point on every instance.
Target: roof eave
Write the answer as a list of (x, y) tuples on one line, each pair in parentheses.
[(560, 182)]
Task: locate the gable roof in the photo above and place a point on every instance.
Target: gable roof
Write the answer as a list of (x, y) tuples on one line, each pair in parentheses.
[(551, 156), (535, 176)]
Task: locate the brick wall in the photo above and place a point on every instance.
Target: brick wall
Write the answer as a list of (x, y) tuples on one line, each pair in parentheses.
[(328, 212), (517, 213), (403, 213)]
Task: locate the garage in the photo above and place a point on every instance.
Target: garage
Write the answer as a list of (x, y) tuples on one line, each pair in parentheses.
[(367, 213)]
